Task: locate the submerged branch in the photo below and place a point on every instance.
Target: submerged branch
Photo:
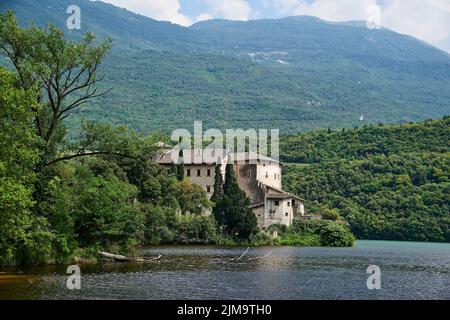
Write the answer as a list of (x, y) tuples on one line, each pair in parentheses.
[(261, 257), (120, 258), (240, 257)]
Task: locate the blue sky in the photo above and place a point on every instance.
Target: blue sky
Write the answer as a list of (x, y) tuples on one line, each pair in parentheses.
[(428, 20)]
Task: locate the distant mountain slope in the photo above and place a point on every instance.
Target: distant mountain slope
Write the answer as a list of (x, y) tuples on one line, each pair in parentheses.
[(128, 30), (295, 73)]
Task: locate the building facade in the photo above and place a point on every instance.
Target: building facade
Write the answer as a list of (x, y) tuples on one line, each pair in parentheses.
[(260, 177)]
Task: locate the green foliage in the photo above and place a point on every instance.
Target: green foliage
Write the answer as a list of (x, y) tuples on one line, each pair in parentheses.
[(330, 214), (180, 171), (15, 219), (315, 233), (233, 211), (102, 138), (105, 214), (38, 248), (57, 208), (218, 195), (18, 156), (192, 198), (173, 169), (400, 194), (158, 228), (165, 226), (319, 146), (62, 73), (228, 73), (88, 203), (259, 239), (177, 170), (298, 240), (336, 235), (192, 229)]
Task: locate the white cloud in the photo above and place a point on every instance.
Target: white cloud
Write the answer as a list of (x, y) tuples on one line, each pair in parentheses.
[(331, 10), (169, 10), (425, 20), (203, 17), (230, 9), (164, 10)]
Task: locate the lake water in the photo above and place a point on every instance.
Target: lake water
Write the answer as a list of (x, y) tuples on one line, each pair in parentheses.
[(409, 270)]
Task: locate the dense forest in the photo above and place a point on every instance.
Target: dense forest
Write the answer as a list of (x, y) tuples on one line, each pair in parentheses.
[(360, 143), (388, 182)]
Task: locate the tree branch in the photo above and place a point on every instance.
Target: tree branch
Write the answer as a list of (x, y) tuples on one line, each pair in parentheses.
[(87, 154)]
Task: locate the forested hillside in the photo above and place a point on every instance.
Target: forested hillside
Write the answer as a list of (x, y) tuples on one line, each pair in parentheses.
[(296, 73), (359, 143), (389, 182)]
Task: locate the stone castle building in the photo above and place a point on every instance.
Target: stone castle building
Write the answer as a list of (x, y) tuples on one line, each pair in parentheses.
[(257, 175)]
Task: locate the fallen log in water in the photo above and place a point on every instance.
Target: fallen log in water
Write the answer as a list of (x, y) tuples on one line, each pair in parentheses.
[(261, 257), (120, 258), (249, 259), (240, 257)]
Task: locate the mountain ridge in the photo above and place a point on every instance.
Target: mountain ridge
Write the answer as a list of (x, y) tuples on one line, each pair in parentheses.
[(296, 73)]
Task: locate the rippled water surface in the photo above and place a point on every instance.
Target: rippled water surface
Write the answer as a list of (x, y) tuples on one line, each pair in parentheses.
[(409, 270)]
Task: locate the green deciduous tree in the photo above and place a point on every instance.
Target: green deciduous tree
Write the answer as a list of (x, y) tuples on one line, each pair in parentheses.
[(18, 156), (158, 228), (105, 214), (63, 74), (330, 214), (192, 198)]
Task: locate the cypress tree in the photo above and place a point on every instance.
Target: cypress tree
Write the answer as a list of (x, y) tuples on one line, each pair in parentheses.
[(239, 219), (180, 171), (217, 197), (173, 169)]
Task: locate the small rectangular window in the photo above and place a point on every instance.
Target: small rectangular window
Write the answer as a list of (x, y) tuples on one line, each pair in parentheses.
[(199, 173), (267, 174), (287, 214), (208, 189), (249, 173), (288, 203), (188, 172), (277, 203), (208, 172)]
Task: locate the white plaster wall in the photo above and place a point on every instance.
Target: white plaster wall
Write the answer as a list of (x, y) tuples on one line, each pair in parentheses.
[(204, 180), (279, 217), (259, 213), (273, 171)]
